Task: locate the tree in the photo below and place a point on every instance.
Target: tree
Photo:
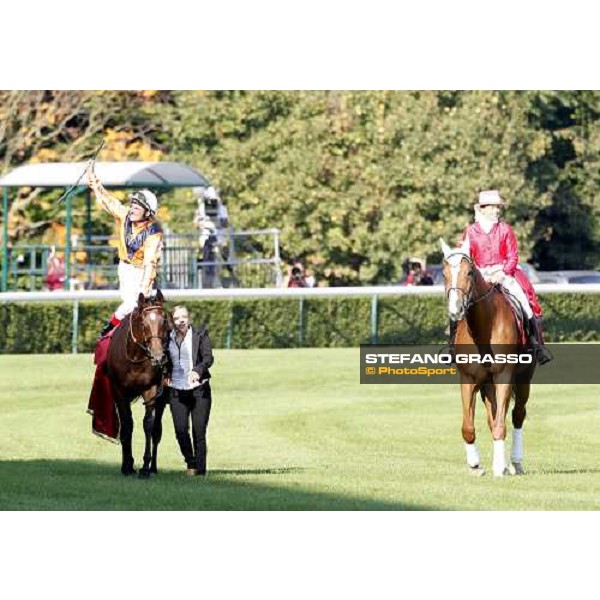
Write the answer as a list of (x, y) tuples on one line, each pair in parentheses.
[(40, 126), (359, 180)]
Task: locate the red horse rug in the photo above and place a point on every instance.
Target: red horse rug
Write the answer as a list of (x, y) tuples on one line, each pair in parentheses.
[(101, 405)]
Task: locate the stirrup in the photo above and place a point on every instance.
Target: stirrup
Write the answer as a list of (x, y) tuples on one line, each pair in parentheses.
[(448, 349)]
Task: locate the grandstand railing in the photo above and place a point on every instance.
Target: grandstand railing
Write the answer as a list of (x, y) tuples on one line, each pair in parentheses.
[(299, 294), (247, 258)]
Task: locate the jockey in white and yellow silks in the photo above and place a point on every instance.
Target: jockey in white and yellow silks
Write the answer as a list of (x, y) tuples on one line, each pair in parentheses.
[(140, 244)]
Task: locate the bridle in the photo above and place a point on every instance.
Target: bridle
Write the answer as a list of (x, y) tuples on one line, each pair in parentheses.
[(144, 345), (466, 297)]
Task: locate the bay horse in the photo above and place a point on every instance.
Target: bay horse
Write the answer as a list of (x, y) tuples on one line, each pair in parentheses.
[(136, 358), (486, 324)]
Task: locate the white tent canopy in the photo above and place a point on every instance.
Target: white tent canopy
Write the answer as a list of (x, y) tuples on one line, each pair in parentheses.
[(111, 174)]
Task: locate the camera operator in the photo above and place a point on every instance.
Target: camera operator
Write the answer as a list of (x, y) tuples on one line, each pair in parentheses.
[(297, 276)]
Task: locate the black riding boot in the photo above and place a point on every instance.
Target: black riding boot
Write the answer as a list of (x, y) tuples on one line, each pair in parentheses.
[(534, 332), (106, 329)]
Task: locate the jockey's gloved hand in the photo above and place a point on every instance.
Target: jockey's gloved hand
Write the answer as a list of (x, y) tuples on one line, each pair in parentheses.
[(497, 277), (91, 176)]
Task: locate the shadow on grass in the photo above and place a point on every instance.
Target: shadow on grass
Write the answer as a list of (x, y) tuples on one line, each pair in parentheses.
[(90, 485)]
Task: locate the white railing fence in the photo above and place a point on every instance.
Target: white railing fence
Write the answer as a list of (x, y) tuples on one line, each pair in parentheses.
[(299, 294)]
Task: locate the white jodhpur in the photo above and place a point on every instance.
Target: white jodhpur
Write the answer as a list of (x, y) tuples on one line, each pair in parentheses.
[(513, 287), (130, 285)]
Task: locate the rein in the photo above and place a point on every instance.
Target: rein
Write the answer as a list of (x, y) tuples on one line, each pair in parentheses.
[(144, 347), (466, 300)]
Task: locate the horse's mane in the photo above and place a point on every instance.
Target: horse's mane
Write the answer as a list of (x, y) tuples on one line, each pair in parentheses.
[(479, 281)]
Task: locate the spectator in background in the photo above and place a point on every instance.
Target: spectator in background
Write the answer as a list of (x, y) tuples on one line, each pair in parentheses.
[(55, 271), (298, 277), (415, 275)]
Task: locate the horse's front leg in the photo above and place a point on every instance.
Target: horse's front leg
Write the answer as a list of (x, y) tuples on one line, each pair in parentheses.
[(149, 421), (125, 431), (503, 391), (157, 433), (148, 428), (467, 392)]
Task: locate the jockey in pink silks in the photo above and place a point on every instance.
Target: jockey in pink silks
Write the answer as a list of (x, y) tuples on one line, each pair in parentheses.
[(493, 248)]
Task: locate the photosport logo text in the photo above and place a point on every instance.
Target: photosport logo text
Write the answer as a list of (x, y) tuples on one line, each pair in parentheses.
[(573, 363)]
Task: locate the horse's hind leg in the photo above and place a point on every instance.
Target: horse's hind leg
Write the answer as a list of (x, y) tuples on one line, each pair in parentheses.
[(467, 392), (518, 417)]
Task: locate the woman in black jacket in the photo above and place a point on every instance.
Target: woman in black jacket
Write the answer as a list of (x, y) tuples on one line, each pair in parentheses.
[(190, 397)]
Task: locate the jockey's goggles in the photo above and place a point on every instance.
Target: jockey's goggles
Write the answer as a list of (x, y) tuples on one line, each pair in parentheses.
[(139, 199)]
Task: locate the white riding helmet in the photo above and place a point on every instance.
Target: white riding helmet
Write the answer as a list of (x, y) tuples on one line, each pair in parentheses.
[(146, 199)]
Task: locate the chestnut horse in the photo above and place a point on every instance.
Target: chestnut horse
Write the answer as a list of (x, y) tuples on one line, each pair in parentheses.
[(136, 358), (486, 325)]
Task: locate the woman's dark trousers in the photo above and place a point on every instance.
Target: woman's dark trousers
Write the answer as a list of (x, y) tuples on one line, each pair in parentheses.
[(195, 404)]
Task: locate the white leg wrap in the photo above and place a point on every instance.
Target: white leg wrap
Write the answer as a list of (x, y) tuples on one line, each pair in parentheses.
[(512, 285), (516, 453), (499, 461), (472, 455)]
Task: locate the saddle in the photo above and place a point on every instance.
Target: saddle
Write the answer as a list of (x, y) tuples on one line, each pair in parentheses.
[(519, 314), (101, 349)]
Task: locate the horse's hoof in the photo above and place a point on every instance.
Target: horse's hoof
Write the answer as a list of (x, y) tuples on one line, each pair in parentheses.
[(477, 471), (503, 473), (128, 472), (516, 469), (154, 470), (144, 474)]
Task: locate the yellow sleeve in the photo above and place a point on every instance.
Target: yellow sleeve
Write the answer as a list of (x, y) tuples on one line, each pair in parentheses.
[(107, 202), (152, 252)]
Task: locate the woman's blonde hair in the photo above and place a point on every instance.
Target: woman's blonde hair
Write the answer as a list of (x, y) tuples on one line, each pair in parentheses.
[(180, 307)]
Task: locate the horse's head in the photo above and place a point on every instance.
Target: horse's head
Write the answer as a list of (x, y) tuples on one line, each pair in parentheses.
[(459, 277), (153, 328)]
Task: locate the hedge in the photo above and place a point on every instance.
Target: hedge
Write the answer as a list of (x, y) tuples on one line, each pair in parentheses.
[(46, 327)]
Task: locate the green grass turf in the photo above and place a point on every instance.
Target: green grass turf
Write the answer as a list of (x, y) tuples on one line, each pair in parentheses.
[(291, 430)]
